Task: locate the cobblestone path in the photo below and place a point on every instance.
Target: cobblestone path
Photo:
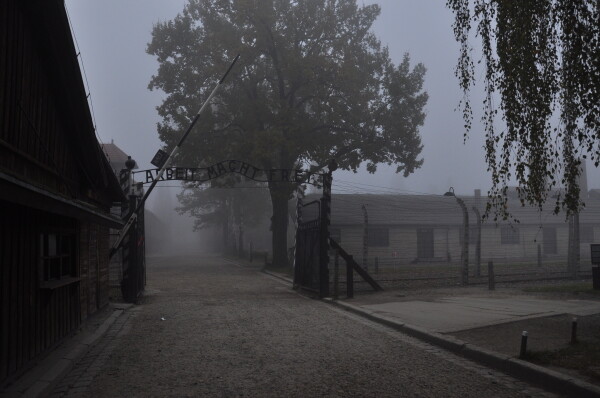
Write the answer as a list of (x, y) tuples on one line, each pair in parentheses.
[(207, 327)]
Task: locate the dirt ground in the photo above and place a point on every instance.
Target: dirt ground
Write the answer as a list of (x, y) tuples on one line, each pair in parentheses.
[(544, 335)]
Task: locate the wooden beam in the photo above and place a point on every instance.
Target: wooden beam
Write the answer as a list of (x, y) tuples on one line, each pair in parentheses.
[(349, 260)]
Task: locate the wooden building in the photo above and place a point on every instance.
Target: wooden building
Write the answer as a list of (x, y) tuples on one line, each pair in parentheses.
[(56, 188)]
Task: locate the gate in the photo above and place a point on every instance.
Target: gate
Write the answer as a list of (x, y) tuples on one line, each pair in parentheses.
[(311, 259), (308, 236)]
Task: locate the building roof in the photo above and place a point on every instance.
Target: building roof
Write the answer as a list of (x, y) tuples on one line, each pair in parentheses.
[(51, 26), (430, 210), (115, 156)]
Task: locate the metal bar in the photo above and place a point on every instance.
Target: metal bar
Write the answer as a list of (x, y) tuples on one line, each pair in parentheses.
[(140, 205)]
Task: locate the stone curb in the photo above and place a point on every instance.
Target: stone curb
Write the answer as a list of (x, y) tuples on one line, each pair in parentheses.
[(278, 276), (528, 372), (61, 367)]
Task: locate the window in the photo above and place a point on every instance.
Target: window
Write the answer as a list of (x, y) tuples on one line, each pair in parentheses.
[(549, 240), (57, 256), (586, 234), (425, 243), (379, 237), (509, 235)]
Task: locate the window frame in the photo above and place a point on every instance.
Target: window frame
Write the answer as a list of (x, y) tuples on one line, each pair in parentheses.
[(58, 257), (427, 244), (384, 234)]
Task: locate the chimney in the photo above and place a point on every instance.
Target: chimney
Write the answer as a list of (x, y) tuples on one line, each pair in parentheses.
[(478, 197)]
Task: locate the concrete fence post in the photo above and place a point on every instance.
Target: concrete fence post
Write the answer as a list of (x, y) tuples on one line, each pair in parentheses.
[(478, 243), (491, 278), (336, 276)]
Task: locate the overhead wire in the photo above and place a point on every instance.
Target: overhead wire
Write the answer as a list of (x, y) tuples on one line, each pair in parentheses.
[(87, 84)]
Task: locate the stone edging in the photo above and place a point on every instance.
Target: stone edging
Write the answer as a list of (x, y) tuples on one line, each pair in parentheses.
[(278, 276)]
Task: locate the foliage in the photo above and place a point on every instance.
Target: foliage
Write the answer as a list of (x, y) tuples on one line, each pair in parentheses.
[(211, 205), (541, 59), (313, 83), (225, 203)]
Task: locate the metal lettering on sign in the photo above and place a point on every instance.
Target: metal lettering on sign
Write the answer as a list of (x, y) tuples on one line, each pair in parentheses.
[(202, 174), (159, 159)]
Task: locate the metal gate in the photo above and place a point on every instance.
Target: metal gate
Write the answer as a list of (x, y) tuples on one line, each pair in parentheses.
[(311, 259), (308, 236)]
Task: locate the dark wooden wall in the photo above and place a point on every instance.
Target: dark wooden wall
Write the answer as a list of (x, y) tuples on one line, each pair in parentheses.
[(32, 319), (33, 143), (41, 145), (93, 246)]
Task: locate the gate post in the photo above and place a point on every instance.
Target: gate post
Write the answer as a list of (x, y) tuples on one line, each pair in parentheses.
[(297, 243), (325, 221), (365, 259), (130, 274), (324, 237)]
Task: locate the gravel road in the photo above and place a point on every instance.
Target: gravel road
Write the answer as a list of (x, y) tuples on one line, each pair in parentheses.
[(230, 331)]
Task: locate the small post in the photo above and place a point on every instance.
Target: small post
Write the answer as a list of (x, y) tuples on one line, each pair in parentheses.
[(251, 251), (523, 351), (574, 331), (349, 280), (266, 259), (336, 276), (491, 279), (376, 264), (539, 255)]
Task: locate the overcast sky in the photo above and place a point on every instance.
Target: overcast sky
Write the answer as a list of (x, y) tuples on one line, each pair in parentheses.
[(113, 34)]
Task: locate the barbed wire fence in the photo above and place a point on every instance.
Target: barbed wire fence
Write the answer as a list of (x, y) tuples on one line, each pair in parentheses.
[(417, 239)]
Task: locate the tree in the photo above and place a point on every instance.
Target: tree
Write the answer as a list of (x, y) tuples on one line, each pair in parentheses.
[(224, 203), (542, 61), (314, 83)]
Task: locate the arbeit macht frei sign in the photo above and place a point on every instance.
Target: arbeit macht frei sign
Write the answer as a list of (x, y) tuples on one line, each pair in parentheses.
[(201, 174)]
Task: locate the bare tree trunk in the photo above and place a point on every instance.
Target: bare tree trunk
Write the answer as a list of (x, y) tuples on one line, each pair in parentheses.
[(225, 232), (279, 225), (576, 245)]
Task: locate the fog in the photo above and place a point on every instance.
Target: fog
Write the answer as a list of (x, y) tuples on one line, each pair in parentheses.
[(112, 37)]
